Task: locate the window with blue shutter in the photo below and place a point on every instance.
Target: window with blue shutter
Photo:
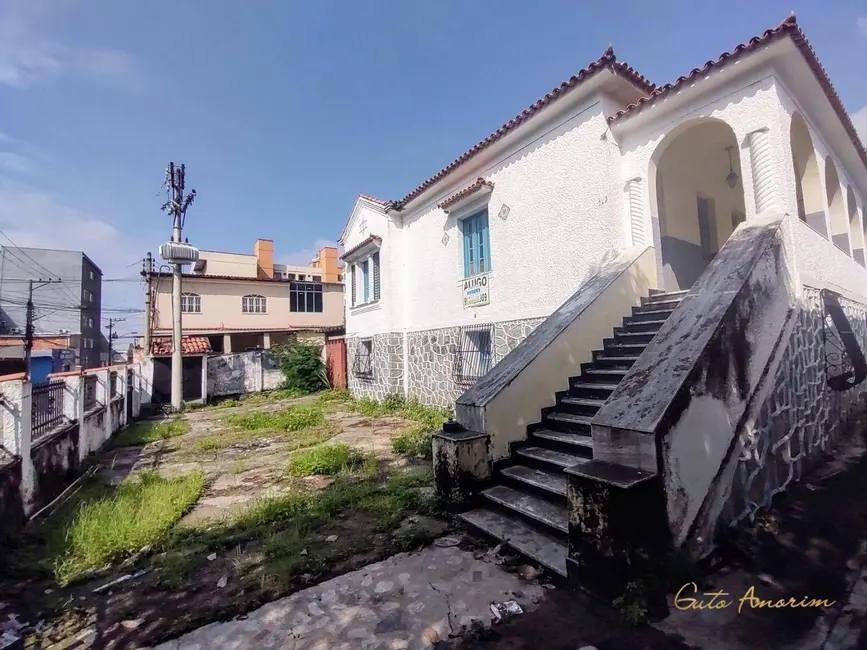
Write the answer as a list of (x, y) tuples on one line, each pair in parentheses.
[(375, 260), (477, 245)]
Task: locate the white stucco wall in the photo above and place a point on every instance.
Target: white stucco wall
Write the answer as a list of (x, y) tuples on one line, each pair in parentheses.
[(563, 192)]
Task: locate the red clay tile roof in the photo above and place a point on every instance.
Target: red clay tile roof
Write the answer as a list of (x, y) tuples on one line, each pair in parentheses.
[(370, 240), (788, 28), (475, 187), (382, 202), (189, 345), (607, 60)]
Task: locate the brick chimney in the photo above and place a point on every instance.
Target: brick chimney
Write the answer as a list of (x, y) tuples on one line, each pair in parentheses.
[(264, 252)]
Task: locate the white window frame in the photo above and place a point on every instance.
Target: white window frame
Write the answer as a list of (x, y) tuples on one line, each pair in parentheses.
[(254, 304), (191, 303)]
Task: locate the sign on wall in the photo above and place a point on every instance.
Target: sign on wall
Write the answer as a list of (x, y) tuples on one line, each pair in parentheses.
[(476, 291)]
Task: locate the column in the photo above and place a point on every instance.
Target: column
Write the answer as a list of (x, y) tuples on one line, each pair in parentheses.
[(227, 343), (204, 379), (765, 182), (636, 211), (266, 340), (28, 474), (121, 386), (105, 382)]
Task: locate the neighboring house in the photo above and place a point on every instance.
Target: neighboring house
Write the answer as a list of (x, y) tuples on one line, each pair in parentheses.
[(646, 304), (69, 310), (237, 302)]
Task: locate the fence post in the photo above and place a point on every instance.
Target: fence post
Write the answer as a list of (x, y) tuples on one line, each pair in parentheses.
[(28, 475), (204, 379), (73, 407), (105, 380), (122, 377)]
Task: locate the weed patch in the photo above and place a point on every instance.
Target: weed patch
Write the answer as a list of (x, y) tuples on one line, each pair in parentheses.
[(323, 459), (107, 524), (292, 439), (294, 418), (141, 433)]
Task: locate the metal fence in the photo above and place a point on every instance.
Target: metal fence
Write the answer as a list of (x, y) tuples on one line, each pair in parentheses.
[(90, 391), (475, 355), (47, 407)]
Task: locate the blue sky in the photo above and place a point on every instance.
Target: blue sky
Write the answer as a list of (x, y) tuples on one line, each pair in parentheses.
[(284, 111)]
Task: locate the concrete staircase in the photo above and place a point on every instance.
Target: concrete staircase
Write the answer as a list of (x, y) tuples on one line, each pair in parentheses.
[(526, 506)]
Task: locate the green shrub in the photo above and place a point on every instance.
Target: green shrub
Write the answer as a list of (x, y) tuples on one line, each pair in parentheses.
[(413, 441), (324, 459), (302, 367), (141, 433)]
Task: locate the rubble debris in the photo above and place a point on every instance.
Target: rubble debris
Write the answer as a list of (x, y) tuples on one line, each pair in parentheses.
[(447, 542), (123, 578), (222, 582), (331, 538), (212, 557), (508, 609), (528, 572)]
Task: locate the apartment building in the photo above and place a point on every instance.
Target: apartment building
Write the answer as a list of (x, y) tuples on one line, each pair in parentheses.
[(232, 302), (68, 311)]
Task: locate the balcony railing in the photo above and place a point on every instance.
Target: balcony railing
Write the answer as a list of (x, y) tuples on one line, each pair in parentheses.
[(47, 407)]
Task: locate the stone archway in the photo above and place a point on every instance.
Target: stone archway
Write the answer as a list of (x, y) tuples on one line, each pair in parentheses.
[(808, 184), (696, 187), (836, 208)]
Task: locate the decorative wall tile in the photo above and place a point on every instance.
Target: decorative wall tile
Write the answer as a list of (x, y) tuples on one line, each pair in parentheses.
[(801, 418)]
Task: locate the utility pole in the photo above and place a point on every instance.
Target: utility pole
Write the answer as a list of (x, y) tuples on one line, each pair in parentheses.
[(147, 271), (177, 252), (28, 328), (111, 322)]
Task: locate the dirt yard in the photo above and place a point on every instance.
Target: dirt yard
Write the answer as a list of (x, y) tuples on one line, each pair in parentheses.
[(220, 511)]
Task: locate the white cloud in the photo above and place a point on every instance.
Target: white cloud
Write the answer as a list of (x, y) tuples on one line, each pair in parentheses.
[(304, 256), (862, 25), (28, 55), (859, 119), (13, 162)]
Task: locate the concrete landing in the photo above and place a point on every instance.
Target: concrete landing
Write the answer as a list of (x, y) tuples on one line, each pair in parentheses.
[(408, 601)]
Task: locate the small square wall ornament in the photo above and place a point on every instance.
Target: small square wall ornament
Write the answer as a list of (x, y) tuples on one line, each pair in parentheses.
[(504, 211), (445, 239)]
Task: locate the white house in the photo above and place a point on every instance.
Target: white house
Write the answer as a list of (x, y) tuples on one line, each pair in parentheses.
[(647, 304), (452, 276)]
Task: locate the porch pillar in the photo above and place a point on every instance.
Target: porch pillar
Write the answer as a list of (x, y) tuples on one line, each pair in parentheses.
[(765, 173), (636, 211), (227, 343), (266, 340)]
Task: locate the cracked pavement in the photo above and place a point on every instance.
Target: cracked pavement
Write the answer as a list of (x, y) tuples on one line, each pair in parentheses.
[(409, 601)]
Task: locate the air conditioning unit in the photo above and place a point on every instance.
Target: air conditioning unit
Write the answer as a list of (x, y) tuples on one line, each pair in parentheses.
[(63, 331)]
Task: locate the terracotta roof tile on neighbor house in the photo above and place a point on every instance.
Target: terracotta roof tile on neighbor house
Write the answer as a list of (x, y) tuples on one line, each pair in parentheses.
[(189, 345), (607, 60), (788, 28), (370, 240), (475, 187)]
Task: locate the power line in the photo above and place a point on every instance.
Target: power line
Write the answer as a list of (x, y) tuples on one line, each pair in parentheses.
[(17, 249)]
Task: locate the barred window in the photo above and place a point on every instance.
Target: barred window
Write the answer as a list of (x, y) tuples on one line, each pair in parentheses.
[(475, 356), (305, 297), (191, 303), (253, 304), (362, 363)]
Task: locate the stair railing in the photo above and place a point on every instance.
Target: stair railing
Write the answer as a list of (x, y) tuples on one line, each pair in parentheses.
[(845, 365)]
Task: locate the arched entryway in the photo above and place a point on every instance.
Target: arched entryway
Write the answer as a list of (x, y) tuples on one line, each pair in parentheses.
[(808, 184), (836, 209), (696, 187), (854, 226)]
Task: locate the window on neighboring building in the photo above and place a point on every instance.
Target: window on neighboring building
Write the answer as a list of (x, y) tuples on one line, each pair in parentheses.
[(191, 303), (477, 248), (340, 277), (291, 276), (317, 278), (362, 361), (91, 275), (85, 295), (90, 322), (305, 297), (253, 304), (474, 357), (365, 281)]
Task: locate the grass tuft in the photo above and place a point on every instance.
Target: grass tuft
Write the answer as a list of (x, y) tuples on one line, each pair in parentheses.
[(323, 459), (141, 433), (294, 418), (291, 439), (114, 523)]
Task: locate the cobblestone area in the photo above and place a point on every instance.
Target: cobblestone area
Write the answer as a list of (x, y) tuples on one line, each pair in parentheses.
[(408, 601), (801, 417)]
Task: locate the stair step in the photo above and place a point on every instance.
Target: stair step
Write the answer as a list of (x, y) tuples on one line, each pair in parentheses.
[(593, 389), (583, 401), (576, 439), (569, 418), (544, 549), (612, 372), (626, 348), (539, 478), (658, 301), (680, 293), (560, 459), (656, 314), (545, 512), (642, 325), (620, 334)]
